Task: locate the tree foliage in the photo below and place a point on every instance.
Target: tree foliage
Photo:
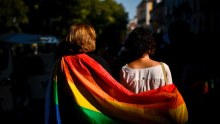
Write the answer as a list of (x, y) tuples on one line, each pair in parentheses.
[(13, 13), (55, 16)]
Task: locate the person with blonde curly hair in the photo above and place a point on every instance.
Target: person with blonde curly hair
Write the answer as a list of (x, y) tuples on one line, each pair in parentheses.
[(81, 38)]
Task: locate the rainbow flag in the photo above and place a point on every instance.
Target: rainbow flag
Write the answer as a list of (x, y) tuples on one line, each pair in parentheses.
[(82, 91)]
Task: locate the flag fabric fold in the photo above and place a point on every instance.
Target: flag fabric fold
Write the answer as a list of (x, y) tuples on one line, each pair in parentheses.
[(81, 90)]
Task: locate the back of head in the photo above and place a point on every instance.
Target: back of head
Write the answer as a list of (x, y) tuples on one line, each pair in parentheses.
[(140, 41), (80, 39)]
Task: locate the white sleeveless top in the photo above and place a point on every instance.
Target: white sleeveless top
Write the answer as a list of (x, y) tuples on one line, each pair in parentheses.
[(140, 80)]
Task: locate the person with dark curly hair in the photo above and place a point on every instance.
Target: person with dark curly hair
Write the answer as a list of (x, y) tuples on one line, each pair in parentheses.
[(141, 73)]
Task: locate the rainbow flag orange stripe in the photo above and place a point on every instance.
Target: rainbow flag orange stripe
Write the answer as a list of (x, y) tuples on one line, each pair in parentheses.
[(81, 90)]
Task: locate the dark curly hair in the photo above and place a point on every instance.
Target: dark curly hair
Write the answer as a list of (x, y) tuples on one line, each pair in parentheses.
[(140, 41)]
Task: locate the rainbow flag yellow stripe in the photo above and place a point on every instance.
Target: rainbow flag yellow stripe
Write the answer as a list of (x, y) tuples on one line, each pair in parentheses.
[(81, 90)]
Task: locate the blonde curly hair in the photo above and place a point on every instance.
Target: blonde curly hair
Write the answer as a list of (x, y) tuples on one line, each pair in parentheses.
[(81, 38)]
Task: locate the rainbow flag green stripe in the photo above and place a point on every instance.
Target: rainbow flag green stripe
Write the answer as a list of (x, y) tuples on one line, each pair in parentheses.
[(98, 98)]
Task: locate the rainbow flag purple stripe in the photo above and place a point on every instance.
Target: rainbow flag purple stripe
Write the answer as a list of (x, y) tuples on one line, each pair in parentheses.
[(98, 98)]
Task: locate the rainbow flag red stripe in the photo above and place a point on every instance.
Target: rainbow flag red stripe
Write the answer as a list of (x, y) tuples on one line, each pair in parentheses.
[(96, 97)]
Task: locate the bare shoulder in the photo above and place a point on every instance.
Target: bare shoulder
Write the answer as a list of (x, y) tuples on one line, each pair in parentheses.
[(155, 63), (143, 64)]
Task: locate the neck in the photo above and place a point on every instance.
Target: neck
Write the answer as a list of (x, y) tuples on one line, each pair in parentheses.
[(145, 56)]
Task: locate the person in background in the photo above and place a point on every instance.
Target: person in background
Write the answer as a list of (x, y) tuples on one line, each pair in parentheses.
[(141, 73)]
